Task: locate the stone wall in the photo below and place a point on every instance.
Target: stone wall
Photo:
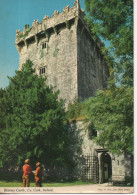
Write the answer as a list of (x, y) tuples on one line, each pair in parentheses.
[(92, 70), (58, 59), (62, 49), (122, 165), (82, 147)]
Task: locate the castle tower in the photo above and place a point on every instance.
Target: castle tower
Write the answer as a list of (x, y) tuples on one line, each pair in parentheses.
[(62, 49)]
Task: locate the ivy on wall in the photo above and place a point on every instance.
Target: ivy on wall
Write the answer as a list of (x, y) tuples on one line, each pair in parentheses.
[(55, 53), (25, 34), (41, 53)]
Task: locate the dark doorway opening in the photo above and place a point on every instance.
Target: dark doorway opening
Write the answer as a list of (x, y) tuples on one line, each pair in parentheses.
[(106, 166)]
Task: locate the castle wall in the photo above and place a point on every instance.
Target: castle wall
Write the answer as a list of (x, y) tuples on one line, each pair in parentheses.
[(92, 71), (83, 147), (59, 59), (122, 165), (70, 58), (62, 49), (80, 147)]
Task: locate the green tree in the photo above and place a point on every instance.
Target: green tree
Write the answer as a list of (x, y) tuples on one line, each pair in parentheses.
[(2, 110), (113, 21), (34, 121), (111, 112), (3, 134)]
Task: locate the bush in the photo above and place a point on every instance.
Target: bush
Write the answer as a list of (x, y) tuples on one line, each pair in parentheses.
[(129, 181)]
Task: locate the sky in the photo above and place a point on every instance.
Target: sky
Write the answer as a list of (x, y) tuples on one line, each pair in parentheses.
[(14, 14)]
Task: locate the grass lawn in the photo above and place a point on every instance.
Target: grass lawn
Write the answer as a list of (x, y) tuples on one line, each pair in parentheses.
[(52, 184), (13, 179)]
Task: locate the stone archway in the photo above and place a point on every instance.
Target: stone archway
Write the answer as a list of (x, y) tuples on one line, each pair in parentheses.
[(105, 167)]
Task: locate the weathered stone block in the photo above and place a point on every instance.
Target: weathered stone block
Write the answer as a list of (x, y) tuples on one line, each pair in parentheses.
[(64, 46)]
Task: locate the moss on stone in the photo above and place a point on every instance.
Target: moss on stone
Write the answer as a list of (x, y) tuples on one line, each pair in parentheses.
[(56, 51)]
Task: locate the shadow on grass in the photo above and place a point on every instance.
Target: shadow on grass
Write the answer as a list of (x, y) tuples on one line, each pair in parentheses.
[(9, 176)]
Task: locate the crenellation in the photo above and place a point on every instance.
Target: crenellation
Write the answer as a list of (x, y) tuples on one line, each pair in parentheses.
[(35, 23), (18, 32), (63, 48), (67, 14), (56, 13), (82, 13), (66, 9), (27, 26), (45, 17), (77, 4)]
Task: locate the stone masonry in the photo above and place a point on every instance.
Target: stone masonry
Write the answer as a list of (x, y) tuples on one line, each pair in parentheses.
[(89, 157), (62, 48)]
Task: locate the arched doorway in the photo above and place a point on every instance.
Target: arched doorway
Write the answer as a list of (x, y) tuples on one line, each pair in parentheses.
[(106, 167)]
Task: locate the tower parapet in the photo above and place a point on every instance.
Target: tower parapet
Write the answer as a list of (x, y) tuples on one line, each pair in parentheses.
[(47, 24), (62, 48)]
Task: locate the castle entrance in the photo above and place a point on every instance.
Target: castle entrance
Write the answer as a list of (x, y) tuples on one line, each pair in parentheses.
[(97, 168), (90, 168), (105, 167)]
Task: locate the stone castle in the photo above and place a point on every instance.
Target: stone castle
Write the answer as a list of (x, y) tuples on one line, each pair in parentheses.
[(62, 48)]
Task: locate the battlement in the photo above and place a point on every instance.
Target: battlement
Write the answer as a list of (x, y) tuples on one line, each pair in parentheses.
[(50, 25), (63, 50)]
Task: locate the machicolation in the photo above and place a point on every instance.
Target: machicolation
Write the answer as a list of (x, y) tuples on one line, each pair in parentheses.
[(62, 48)]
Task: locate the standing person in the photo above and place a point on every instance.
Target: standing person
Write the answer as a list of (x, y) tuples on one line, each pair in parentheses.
[(38, 175), (26, 172)]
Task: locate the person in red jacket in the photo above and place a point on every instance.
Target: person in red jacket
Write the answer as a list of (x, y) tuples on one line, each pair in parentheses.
[(38, 175), (26, 172)]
